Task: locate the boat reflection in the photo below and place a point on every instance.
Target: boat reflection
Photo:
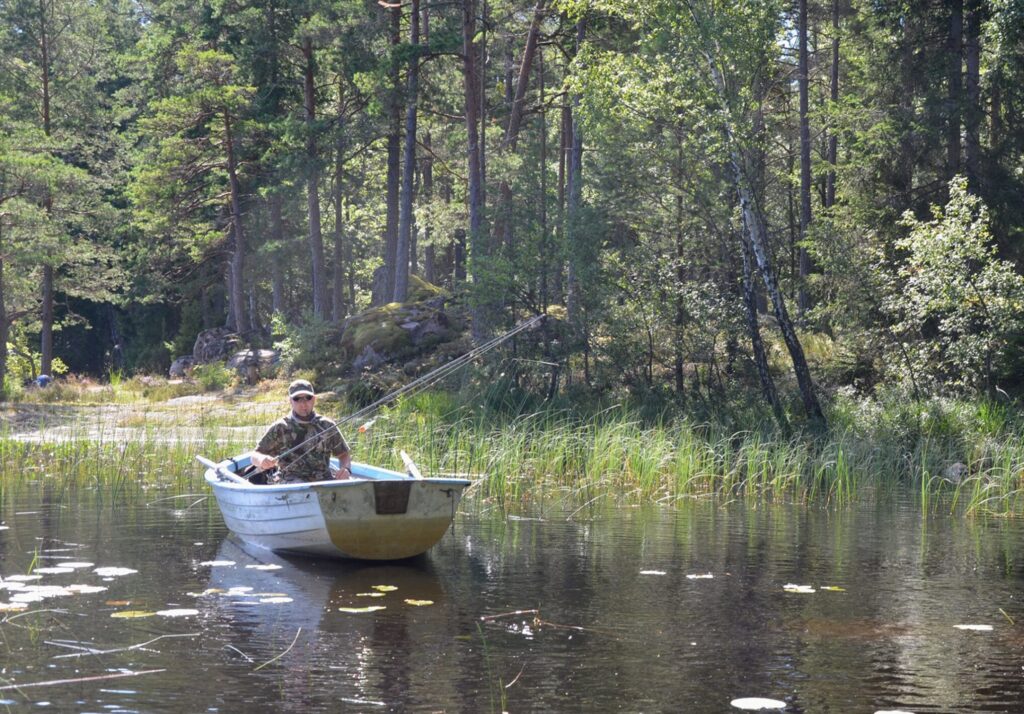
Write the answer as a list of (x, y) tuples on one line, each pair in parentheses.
[(282, 620)]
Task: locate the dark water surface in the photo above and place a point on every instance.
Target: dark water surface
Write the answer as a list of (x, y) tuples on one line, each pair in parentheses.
[(618, 624)]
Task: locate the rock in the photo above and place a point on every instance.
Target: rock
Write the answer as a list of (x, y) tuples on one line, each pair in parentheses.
[(244, 359), (215, 344), (367, 359), (956, 472), (181, 367)]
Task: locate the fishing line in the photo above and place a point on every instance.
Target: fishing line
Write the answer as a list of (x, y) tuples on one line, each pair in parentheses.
[(413, 387)]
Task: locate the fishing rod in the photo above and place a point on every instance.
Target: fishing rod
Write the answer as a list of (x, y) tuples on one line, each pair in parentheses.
[(416, 385)]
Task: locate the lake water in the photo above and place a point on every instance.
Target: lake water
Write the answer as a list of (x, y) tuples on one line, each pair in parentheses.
[(632, 610)]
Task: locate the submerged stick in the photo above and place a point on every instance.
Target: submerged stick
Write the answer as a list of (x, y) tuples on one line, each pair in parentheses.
[(54, 682), (92, 651), (271, 661)]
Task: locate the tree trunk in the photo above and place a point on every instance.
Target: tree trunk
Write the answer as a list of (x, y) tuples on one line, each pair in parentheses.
[(316, 241), (973, 112), (403, 251), (803, 77), (753, 225), (519, 99), (955, 86), (238, 255), (477, 240), (427, 171), (680, 316), (905, 161), (278, 262), (574, 199), (831, 153), (46, 314), (756, 343), (5, 327), (394, 167)]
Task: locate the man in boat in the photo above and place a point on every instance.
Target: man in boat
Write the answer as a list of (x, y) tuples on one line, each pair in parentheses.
[(302, 443)]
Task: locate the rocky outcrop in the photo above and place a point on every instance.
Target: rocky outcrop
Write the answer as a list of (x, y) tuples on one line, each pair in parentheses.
[(217, 343), (181, 367)]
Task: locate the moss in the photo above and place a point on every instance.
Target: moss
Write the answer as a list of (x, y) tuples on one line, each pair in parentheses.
[(420, 290), (383, 335)]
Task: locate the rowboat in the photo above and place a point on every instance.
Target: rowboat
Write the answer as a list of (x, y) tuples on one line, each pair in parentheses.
[(378, 514)]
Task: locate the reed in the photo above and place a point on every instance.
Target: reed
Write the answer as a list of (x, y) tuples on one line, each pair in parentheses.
[(950, 455)]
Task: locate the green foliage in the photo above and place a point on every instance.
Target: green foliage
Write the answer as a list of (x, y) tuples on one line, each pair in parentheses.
[(213, 376), (956, 304)]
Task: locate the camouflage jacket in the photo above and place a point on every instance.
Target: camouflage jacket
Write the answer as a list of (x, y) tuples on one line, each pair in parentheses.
[(320, 440)]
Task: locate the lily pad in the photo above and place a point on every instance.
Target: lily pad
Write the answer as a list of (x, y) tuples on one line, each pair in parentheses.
[(269, 566), (975, 628), (109, 572), (371, 608), (755, 704), (419, 603), (55, 570), (369, 594), (699, 576), (86, 589), (131, 614), (803, 589), (385, 588), (653, 572), (77, 565), (13, 606), (833, 588), (276, 600), (181, 612), (23, 578), (218, 563)]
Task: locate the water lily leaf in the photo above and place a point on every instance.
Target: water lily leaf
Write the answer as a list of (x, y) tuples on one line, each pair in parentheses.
[(653, 572), (973, 628), (385, 588), (86, 589), (804, 589), (419, 603), (218, 563), (369, 594), (113, 572), (181, 612), (131, 614), (892, 711), (24, 578), (269, 566), (699, 576), (118, 603), (757, 703), (13, 606), (77, 565), (833, 588), (276, 600), (371, 608), (56, 570)]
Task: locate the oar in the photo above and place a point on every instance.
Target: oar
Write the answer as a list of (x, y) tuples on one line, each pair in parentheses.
[(411, 466), (220, 470)]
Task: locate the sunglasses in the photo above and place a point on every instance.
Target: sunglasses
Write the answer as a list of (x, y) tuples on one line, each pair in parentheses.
[(302, 398)]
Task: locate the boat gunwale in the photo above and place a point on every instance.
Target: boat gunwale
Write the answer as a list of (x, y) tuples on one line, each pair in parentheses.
[(386, 475)]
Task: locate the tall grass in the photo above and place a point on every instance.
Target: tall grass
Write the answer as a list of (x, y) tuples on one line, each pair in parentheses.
[(947, 454)]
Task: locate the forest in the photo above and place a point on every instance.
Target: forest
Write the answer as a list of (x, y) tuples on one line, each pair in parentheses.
[(782, 203)]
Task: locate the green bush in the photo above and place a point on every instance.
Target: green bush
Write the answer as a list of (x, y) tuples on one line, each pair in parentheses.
[(213, 376)]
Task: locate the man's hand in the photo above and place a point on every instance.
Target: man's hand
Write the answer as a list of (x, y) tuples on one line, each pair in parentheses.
[(343, 474), (263, 462)]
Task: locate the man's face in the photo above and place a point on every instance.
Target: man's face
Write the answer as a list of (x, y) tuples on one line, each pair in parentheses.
[(302, 405)]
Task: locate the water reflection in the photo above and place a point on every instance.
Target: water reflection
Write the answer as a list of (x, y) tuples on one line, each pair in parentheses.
[(611, 613)]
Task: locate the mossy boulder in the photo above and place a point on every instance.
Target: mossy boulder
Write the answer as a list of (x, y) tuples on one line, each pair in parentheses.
[(399, 332)]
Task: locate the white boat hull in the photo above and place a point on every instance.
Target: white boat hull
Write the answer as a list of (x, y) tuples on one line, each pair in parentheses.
[(377, 515)]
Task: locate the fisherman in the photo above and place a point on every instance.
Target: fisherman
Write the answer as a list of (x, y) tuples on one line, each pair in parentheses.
[(302, 443)]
